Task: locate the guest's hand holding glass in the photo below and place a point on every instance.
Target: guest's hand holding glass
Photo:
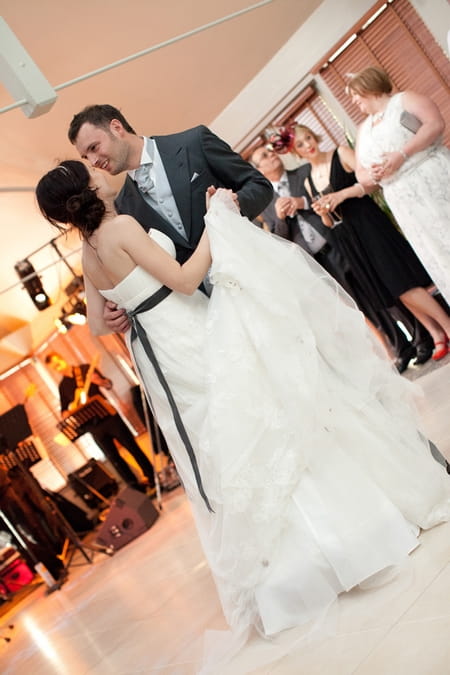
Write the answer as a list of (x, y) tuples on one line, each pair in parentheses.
[(325, 206), (322, 208), (329, 201), (287, 207)]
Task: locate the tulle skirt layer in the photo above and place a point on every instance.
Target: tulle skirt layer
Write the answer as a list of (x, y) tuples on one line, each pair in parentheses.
[(306, 438)]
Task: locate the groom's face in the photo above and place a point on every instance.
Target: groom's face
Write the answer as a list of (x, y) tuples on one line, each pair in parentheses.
[(104, 148)]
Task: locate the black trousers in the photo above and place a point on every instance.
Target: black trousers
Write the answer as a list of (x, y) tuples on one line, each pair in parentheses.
[(420, 335), (113, 429)]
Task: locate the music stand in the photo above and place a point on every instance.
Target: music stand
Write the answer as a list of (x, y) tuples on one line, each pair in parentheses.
[(81, 421), (84, 418)]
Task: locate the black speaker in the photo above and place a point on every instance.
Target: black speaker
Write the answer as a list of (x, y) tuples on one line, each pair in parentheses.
[(131, 514), (76, 517), (14, 426), (93, 475)]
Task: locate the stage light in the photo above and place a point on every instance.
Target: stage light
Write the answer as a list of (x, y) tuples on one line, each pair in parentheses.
[(32, 284), (73, 314), (62, 326), (77, 316)]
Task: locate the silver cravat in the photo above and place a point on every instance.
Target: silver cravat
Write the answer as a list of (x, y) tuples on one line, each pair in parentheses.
[(143, 180)]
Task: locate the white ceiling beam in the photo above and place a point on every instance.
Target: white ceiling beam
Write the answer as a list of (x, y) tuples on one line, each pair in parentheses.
[(21, 76)]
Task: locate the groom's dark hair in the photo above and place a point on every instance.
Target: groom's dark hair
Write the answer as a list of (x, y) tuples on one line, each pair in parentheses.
[(99, 116)]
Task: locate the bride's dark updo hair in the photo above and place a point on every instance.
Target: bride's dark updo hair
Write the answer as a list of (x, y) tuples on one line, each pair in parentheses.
[(64, 196)]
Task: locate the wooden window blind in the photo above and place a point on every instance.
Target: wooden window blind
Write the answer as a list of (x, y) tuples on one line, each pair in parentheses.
[(398, 41)]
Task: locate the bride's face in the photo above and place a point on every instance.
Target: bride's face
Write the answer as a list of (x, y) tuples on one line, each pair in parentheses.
[(100, 183), (305, 144)]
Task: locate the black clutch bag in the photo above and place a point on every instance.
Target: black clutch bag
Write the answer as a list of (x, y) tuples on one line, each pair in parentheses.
[(410, 121)]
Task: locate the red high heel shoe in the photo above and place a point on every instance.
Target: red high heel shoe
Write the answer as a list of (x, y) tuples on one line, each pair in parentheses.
[(440, 349)]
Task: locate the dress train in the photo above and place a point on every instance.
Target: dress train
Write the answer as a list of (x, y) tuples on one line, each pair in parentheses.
[(305, 436)]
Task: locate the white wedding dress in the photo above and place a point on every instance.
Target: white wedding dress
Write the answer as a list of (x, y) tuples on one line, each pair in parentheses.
[(304, 435), (418, 193)]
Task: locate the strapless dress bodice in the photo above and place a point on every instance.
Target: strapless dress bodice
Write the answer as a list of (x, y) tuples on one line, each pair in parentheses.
[(138, 284)]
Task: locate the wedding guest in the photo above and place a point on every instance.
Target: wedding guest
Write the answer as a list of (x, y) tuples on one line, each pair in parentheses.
[(387, 267), (290, 214), (399, 146)]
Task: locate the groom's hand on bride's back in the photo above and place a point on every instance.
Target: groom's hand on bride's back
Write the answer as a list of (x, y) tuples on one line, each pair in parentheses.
[(116, 319)]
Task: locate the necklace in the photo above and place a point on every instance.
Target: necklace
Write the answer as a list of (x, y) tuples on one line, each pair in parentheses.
[(377, 117), (322, 170)]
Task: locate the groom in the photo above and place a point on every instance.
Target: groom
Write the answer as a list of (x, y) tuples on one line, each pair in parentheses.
[(168, 177)]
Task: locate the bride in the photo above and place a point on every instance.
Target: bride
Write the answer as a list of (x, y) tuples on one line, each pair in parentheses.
[(295, 439)]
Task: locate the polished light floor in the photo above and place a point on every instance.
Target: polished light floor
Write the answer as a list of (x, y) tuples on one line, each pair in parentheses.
[(145, 609)]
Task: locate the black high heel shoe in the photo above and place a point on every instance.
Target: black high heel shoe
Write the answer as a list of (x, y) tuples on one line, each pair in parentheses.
[(403, 359), (424, 353)]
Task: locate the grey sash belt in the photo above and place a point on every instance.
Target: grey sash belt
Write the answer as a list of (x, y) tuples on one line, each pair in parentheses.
[(137, 331)]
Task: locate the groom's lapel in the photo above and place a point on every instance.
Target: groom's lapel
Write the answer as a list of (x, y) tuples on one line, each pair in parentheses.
[(130, 201), (175, 161)]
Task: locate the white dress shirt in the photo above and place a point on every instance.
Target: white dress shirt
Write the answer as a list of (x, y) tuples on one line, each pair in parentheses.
[(158, 193)]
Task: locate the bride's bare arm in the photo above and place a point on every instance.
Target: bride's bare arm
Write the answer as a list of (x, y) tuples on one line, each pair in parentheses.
[(146, 253), (95, 308)]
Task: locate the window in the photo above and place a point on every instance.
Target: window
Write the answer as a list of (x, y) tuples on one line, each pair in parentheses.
[(395, 38)]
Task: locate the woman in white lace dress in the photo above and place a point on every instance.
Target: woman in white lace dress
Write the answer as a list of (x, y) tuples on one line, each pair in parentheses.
[(294, 437), (399, 147)]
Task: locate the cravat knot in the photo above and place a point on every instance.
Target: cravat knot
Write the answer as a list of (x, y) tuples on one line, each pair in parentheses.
[(143, 179)]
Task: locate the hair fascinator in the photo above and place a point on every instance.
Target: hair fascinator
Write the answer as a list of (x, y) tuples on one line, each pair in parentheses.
[(282, 141)]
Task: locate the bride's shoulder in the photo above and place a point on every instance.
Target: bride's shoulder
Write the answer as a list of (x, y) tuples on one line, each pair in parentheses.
[(124, 223), (124, 219), (121, 229)]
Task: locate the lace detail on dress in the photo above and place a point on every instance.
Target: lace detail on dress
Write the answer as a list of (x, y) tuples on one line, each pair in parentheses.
[(303, 434), (219, 279), (418, 193)]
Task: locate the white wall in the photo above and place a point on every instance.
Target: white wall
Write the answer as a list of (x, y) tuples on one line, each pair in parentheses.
[(289, 70), (436, 15)]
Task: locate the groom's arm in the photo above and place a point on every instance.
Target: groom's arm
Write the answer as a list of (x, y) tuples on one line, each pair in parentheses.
[(254, 191)]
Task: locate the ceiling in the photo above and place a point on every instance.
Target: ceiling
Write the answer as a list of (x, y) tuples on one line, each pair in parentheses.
[(175, 87)]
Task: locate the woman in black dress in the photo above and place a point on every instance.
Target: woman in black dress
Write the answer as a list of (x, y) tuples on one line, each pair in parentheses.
[(383, 267)]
